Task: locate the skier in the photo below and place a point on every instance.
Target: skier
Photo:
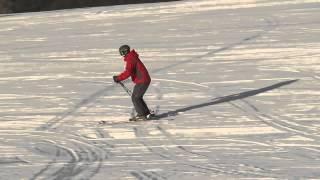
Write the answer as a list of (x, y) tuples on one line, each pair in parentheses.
[(140, 76)]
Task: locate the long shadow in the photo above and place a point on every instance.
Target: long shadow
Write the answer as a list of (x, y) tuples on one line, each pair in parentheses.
[(224, 99)]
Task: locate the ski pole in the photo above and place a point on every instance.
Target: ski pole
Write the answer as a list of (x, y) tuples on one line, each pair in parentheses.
[(126, 89)]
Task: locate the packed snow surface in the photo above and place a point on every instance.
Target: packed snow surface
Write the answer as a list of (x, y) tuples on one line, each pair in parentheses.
[(237, 84)]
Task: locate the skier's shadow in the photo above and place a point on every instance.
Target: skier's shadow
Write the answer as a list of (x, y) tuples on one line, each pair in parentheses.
[(224, 99)]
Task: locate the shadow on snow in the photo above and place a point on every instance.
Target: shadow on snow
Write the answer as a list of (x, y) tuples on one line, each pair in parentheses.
[(224, 99)]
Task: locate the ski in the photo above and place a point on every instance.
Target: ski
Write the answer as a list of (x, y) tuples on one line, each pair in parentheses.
[(153, 119)]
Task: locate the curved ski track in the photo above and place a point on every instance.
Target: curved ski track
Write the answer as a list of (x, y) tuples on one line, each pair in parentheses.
[(84, 158)]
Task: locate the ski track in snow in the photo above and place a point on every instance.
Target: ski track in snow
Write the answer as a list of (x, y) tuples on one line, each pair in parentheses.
[(236, 83)]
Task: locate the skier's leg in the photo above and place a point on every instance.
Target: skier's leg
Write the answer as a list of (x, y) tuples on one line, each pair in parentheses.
[(145, 107), (137, 99), (143, 103)]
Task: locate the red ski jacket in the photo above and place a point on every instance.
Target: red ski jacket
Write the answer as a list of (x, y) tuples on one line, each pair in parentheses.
[(134, 68)]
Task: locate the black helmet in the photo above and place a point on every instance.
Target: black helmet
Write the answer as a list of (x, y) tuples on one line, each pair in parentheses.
[(124, 50)]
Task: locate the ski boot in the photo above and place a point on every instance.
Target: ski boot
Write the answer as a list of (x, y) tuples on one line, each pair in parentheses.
[(138, 118), (151, 116)]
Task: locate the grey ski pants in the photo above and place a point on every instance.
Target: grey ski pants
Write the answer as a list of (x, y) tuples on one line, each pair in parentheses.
[(137, 99)]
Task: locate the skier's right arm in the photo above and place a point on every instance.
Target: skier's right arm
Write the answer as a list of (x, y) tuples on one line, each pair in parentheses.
[(127, 72)]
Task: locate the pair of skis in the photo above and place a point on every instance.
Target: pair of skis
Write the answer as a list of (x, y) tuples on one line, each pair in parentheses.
[(133, 119)]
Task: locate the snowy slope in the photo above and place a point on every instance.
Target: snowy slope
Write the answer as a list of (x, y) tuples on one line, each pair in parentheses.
[(240, 81)]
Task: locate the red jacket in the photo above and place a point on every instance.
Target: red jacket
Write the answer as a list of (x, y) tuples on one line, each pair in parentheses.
[(134, 68)]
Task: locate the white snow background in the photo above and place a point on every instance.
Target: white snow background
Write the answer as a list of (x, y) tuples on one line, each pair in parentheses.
[(239, 80)]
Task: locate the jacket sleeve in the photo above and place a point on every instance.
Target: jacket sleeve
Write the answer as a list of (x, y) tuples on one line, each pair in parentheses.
[(127, 72)]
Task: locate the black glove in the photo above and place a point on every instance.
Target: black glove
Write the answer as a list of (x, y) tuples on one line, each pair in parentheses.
[(115, 79)]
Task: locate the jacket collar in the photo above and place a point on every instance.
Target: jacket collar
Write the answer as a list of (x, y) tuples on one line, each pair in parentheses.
[(131, 54)]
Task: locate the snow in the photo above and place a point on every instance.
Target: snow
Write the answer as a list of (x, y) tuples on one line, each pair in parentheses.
[(238, 80)]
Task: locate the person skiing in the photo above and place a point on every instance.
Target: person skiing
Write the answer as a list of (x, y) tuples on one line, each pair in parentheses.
[(139, 75)]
